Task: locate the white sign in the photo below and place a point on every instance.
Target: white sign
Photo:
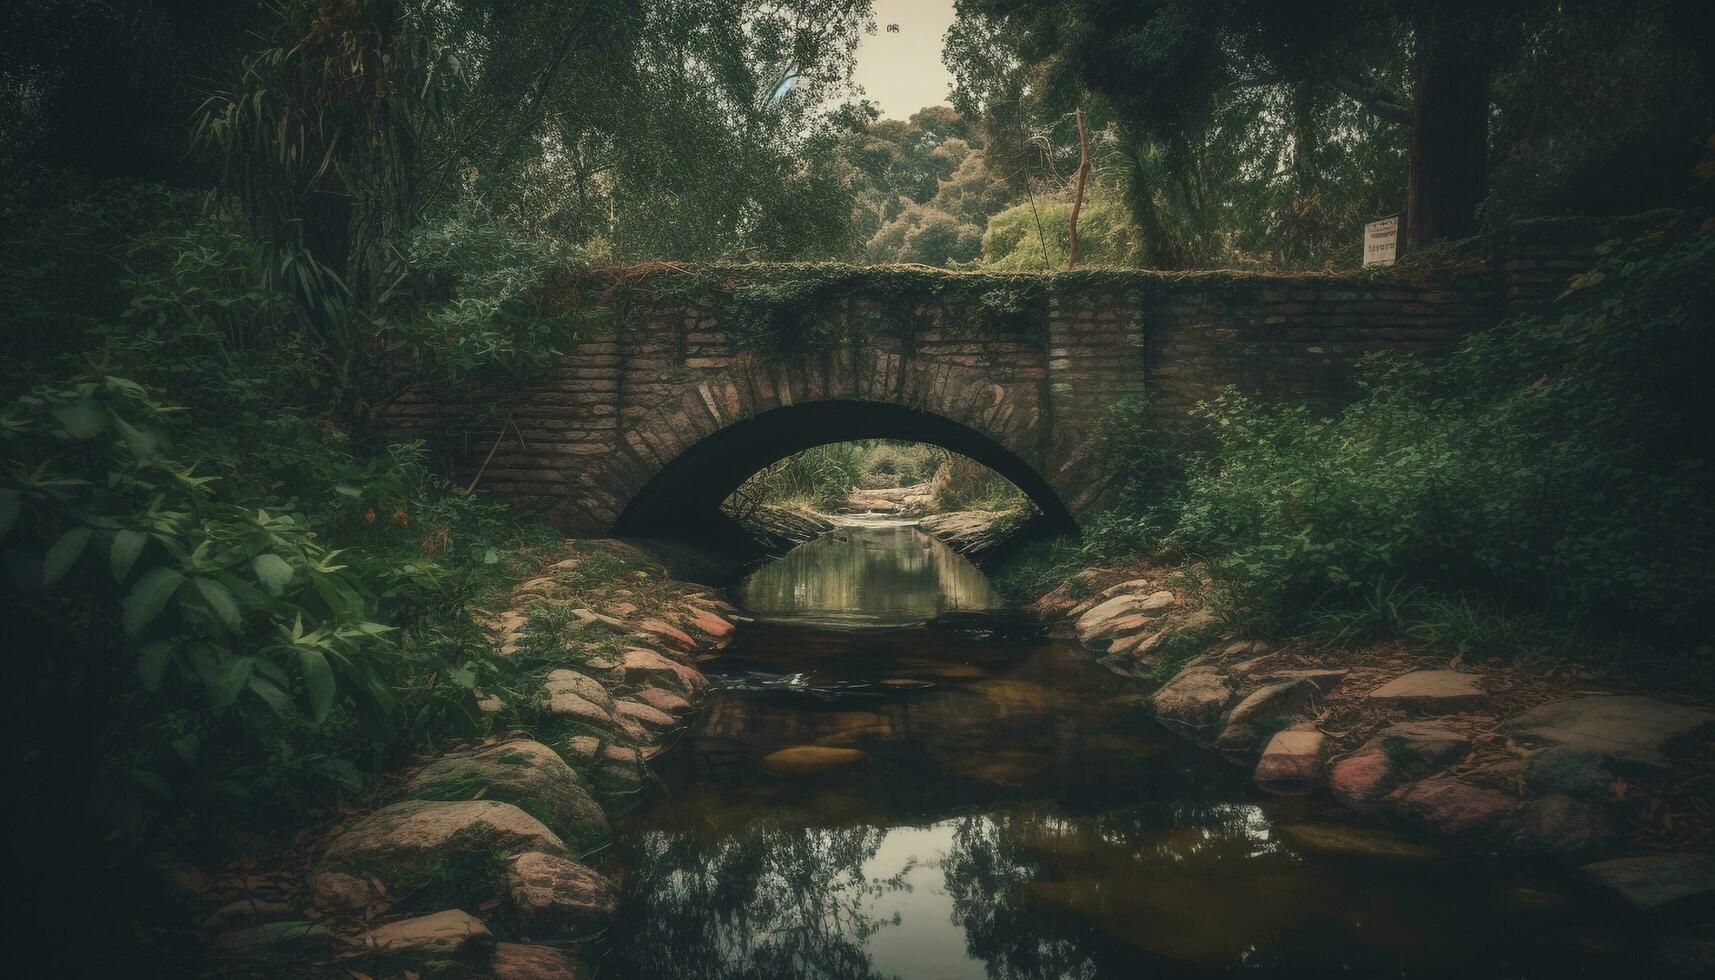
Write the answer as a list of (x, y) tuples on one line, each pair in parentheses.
[(1381, 241)]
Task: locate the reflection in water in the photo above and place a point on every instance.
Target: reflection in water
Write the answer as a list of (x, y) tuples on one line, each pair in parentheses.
[(885, 573), (1009, 814)]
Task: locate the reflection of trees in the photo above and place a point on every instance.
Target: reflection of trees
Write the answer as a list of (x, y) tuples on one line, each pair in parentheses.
[(1176, 881), (766, 903), (894, 572)]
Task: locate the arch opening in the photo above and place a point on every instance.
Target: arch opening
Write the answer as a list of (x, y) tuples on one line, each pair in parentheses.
[(684, 499)]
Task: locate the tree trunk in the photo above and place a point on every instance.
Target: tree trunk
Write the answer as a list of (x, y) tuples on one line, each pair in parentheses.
[(1448, 174)]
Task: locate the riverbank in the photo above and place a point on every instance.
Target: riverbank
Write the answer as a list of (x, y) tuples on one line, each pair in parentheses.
[(467, 862), (1543, 759)]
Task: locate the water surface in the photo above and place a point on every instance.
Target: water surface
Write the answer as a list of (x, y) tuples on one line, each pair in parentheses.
[(998, 807)]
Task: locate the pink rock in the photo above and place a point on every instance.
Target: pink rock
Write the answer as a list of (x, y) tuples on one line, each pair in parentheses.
[(708, 622), (557, 897), (645, 666), (1449, 806), (663, 700), (651, 717), (1362, 780), (516, 961), (666, 632), (1440, 690), (1292, 762)]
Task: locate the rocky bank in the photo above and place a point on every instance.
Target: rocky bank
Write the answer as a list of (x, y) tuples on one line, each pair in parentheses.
[(1546, 761)]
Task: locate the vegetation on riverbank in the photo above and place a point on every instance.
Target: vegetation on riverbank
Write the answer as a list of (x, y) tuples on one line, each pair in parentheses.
[(1543, 491)]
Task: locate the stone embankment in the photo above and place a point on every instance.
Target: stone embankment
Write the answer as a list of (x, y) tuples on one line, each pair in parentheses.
[(475, 862), (1498, 757)]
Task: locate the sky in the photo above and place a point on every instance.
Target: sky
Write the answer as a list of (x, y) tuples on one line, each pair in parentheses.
[(902, 72)]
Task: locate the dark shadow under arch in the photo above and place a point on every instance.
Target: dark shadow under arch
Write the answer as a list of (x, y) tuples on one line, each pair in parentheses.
[(684, 499)]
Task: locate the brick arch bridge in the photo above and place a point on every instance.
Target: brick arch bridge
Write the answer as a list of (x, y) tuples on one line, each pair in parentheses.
[(648, 423)]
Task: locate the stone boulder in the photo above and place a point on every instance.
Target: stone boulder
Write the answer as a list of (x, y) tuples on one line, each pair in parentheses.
[(1562, 827), (1120, 616), (665, 633), (662, 699), (429, 851), (1292, 762), (527, 774), (1421, 747), (1263, 712), (517, 961), (652, 718), (570, 695), (641, 667), (1449, 806), (1363, 779), (1651, 881), (554, 897), (1193, 702), (1570, 769), (1627, 729), (440, 936), (1437, 691)]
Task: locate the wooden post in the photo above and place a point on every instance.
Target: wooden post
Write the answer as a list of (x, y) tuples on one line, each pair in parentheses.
[(1078, 199)]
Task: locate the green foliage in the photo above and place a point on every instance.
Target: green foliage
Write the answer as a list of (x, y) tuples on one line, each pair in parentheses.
[(1036, 236), (1552, 462)]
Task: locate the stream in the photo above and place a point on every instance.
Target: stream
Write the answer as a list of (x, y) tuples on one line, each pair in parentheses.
[(894, 780)]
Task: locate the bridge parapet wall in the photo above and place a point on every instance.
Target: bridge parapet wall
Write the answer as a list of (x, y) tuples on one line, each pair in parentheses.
[(658, 377)]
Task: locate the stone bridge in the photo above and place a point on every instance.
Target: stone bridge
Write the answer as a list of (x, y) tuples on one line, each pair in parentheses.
[(698, 377)]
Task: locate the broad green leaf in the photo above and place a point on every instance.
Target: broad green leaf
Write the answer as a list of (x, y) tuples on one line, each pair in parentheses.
[(148, 598), (347, 490), (225, 680), (141, 443), (11, 501), (152, 663), (273, 572), (84, 419), (219, 600), (63, 554), (127, 545), (318, 681), (270, 692), (188, 747)]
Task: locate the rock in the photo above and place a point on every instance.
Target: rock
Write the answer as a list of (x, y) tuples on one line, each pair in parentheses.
[(1562, 827), (297, 938), (1324, 680), (707, 622), (1356, 841), (667, 633), (647, 667), (663, 700), (1193, 701), (1434, 690), (556, 897), (1421, 747), (248, 911), (1625, 728), (803, 760), (1264, 712), (1363, 779), (1118, 616), (527, 774), (516, 961), (1292, 762), (1570, 769), (429, 849), (567, 694), (620, 764), (439, 936), (1131, 586), (643, 713), (1651, 881), (1449, 806)]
